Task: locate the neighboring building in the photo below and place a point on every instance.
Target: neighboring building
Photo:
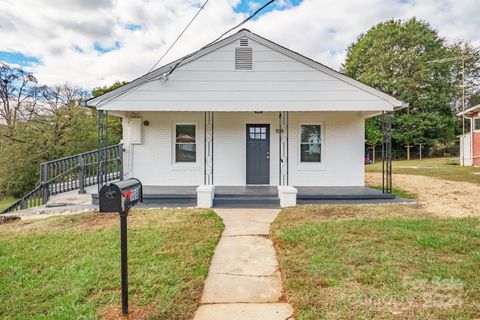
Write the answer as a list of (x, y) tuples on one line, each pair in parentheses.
[(470, 141), (245, 111)]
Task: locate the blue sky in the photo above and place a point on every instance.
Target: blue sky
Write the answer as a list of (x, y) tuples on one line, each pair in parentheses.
[(97, 42), (245, 6), (18, 58), (249, 6)]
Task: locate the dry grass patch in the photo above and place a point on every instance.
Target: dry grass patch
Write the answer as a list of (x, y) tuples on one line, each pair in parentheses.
[(442, 197), (440, 168), (378, 262), (69, 267)]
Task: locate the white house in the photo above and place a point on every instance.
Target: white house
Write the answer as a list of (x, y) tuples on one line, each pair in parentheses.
[(470, 141), (245, 111)]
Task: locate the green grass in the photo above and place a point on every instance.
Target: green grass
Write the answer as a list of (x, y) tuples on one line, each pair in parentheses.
[(378, 262), (69, 267), (441, 168), (399, 192), (6, 202)]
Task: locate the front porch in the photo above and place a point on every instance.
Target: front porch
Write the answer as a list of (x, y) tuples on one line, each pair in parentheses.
[(259, 196)]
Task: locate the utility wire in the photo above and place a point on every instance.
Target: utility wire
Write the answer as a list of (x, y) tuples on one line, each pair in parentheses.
[(206, 46), (223, 34), (179, 36), (243, 22)]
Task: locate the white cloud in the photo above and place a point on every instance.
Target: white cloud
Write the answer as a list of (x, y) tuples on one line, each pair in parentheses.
[(53, 29), (253, 5)]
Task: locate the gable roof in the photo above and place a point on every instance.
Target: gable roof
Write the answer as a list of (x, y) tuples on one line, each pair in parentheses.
[(102, 101)]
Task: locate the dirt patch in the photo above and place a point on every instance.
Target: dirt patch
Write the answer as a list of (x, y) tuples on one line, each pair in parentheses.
[(90, 221), (440, 197), (77, 223), (134, 313), (8, 219)]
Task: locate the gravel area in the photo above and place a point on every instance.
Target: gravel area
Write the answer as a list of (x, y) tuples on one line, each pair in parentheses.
[(442, 197)]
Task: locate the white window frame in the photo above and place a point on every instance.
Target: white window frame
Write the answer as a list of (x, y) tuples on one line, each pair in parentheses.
[(185, 165), (311, 166), (477, 118)]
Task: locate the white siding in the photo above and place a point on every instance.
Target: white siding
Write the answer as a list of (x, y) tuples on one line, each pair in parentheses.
[(153, 161), (466, 158), (343, 148), (229, 163), (277, 82)]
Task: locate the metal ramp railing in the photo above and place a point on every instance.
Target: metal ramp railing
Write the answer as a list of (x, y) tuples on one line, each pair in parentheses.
[(71, 173)]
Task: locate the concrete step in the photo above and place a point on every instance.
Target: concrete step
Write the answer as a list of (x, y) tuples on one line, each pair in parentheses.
[(244, 311), (249, 201)]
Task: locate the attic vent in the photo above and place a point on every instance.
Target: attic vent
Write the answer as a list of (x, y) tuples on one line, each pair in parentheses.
[(243, 42), (243, 58)]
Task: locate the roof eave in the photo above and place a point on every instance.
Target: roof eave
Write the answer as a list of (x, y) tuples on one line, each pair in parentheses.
[(469, 111)]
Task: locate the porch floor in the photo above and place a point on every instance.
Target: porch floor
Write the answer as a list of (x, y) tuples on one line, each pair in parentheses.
[(324, 193), (341, 193), (260, 196)]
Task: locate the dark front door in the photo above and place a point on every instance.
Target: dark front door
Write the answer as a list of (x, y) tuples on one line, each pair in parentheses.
[(258, 153)]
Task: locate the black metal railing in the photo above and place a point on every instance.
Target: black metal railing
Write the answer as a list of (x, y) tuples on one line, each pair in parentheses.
[(34, 198), (71, 173)]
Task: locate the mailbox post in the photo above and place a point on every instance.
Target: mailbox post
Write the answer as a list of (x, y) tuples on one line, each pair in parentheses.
[(123, 249), (120, 197)]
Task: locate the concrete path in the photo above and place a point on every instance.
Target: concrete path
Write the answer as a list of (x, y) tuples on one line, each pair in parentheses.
[(244, 282)]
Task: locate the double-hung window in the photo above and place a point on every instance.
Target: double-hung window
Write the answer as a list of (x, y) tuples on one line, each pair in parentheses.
[(310, 143), (476, 124), (185, 143)]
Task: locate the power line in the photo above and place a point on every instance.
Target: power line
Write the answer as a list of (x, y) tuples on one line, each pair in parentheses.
[(165, 76), (171, 46), (223, 34), (244, 21)]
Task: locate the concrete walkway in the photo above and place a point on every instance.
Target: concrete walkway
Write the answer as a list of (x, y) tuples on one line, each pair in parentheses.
[(244, 282)]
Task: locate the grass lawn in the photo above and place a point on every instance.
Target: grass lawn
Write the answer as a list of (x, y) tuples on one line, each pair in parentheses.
[(398, 191), (442, 168), (5, 202), (69, 267), (378, 262)]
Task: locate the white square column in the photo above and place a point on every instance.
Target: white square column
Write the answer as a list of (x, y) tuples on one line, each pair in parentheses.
[(205, 194), (287, 196)]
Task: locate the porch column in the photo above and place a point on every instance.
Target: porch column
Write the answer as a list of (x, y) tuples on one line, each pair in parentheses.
[(206, 192), (286, 193), (208, 149), (102, 174), (283, 148), (386, 152)]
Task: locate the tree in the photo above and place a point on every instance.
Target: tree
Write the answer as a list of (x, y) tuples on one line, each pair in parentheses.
[(98, 91), (19, 95), (62, 128), (114, 123), (474, 99), (470, 55), (395, 57), (41, 124)]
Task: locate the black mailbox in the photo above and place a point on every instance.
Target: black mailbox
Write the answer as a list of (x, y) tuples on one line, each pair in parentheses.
[(120, 196)]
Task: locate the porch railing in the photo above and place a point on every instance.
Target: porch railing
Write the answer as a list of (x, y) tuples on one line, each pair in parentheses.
[(71, 173)]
